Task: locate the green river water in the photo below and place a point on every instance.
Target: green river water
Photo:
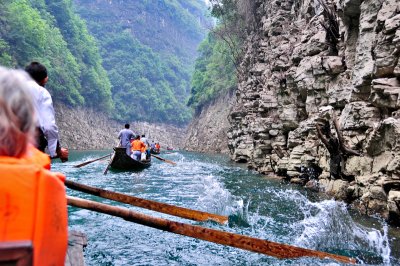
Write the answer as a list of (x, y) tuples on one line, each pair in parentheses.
[(257, 206)]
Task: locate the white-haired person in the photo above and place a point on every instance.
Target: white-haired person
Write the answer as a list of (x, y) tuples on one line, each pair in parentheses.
[(33, 205)]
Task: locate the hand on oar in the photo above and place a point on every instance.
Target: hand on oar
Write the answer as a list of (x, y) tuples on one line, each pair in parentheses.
[(281, 251), (91, 161), (148, 204), (164, 160)]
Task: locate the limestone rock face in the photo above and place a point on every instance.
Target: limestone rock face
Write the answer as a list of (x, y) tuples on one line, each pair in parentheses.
[(272, 123), (208, 130), (84, 129)]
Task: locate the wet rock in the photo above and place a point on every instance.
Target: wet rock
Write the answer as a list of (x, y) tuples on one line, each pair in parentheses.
[(394, 207)]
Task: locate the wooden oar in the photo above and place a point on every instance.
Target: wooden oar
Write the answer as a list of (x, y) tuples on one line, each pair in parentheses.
[(282, 251), (164, 160), (109, 164), (94, 160), (148, 204)]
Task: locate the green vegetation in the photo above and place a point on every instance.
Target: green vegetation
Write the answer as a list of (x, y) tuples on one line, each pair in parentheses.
[(148, 48), (214, 71), (221, 51), (130, 59), (33, 35)]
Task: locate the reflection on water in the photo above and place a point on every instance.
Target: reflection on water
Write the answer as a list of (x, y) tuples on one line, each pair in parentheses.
[(257, 207)]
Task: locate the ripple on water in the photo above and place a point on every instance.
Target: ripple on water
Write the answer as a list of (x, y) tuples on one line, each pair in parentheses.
[(256, 207)]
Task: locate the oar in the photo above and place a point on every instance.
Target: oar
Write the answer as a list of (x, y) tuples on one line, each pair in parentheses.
[(164, 160), (148, 204), (109, 164), (88, 162), (282, 251)]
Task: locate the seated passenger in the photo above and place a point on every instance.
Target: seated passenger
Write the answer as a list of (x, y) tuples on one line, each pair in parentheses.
[(158, 147), (137, 147), (34, 201)]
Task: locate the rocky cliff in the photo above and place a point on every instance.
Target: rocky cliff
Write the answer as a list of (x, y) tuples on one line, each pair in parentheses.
[(306, 63), (207, 131), (83, 129)]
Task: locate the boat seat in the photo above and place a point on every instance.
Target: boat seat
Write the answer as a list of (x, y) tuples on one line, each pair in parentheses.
[(16, 253)]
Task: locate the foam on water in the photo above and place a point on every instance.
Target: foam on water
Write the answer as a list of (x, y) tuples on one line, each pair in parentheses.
[(328, 225), (256, 207)]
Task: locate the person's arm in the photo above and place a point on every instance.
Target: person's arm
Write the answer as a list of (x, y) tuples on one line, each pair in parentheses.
[(49, 127)]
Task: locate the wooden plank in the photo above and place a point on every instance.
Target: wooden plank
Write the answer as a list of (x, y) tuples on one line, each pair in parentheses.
[(18, 253), (76, 243)]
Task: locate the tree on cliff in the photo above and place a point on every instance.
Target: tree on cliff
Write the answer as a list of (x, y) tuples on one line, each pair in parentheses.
[(235, 19), (220, 54), (336, 148)]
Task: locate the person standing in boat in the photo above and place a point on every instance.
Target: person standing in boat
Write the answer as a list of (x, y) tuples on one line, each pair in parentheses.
[(137, 148), (47, 130), (125, 136), (35, 207), (146, 142)]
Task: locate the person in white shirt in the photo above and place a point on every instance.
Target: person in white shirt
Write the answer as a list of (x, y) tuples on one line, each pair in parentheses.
[(47, 129)]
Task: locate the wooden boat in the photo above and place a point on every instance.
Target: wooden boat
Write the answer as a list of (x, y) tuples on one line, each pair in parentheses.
[(122, 161)]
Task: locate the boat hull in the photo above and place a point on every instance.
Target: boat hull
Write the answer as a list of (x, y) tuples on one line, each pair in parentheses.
[(121, 161), (154, 151)]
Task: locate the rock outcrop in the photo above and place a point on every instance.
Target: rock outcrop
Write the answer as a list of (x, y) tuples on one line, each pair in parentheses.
[(84, 129), (207, 131), (294, 73)]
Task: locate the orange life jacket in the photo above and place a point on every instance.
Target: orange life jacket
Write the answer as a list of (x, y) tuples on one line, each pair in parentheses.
[(33, 207), (35, 156), (138, 145)]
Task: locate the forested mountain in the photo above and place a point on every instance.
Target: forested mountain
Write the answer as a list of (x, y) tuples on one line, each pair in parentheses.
[(32, 30), (132, 59), (148, 49)]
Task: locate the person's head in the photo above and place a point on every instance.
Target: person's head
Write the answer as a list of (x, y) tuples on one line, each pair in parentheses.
[(137, 137), (127, 126), (143, 136), (38, 72), (17, 115)]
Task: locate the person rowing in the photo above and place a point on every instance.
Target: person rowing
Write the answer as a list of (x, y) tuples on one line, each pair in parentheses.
[(125, 136)]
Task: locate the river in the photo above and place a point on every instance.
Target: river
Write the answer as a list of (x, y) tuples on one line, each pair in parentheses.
[(257, 206)]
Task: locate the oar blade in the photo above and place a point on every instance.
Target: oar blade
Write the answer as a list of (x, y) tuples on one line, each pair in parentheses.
[(164, 160)]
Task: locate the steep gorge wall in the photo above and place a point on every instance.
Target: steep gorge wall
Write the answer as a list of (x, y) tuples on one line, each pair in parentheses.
[(292, 77), (84, 129), (207, 131)]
